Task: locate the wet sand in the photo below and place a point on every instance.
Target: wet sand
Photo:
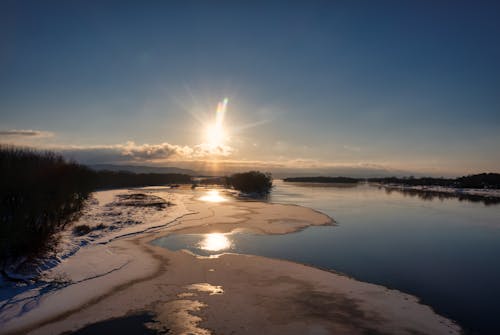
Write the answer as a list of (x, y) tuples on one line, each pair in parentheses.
[(235, 294)]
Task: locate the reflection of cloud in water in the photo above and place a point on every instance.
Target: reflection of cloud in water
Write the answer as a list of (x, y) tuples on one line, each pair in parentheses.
[(178, 315), (215, 242), (213, 196), (206, 287)]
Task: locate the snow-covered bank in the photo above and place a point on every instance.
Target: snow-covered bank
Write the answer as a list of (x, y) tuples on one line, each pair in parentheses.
[(108, 215), (112, 277), (108, 218)]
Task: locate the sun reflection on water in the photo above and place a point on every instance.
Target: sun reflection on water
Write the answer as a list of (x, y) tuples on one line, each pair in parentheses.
[(213, 196), (215, 242)]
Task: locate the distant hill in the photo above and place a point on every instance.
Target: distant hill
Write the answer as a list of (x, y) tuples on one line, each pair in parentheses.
[(322, 180), (141, 169)]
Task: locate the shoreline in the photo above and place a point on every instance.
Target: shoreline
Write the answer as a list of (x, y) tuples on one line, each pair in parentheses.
[(492, 194), (486, 194), (158, 280)]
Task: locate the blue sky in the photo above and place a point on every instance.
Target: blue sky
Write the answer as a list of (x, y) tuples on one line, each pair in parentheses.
[(398, 85)]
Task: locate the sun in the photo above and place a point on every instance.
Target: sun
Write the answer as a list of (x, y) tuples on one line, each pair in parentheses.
[(215, 135)]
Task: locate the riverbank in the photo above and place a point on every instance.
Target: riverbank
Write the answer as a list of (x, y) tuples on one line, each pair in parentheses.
[(484, 193), (243, 294)]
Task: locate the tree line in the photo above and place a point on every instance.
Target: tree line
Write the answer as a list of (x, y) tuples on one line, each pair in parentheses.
[(482, 180)]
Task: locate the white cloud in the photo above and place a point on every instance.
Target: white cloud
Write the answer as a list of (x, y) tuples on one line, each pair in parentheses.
[(152, 151), (20, 133), (132, 152)]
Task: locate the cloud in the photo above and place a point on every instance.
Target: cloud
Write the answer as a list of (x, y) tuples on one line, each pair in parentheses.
[(153, 151), (167, 150), (204, 150), (25, 133), (132, 152)]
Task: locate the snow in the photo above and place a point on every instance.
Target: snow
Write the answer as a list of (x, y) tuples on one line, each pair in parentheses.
[(103, 209)]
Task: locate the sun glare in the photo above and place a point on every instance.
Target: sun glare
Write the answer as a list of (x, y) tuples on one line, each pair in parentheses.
[(215, 134), (215, 242), (213, 196)]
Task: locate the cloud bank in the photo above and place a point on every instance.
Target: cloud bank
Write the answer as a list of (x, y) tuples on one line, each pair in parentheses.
[(132, 152)]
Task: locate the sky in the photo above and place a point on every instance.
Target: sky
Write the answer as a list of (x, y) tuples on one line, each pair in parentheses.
[(370, 87)]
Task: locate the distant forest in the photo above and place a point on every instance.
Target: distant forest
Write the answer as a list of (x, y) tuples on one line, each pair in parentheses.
[(483, 180), (115, 179), (40, 193)]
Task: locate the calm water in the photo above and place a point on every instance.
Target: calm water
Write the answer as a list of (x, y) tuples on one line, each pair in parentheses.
[(445, 251), (127, 325)]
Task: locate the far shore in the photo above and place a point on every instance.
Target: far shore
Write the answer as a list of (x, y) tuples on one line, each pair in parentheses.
[(486, 185), (486, 194), (119, 272)]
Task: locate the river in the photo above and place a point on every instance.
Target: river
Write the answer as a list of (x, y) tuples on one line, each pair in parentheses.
[(443, 250)]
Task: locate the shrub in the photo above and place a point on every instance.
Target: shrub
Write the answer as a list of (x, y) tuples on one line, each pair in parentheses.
[(39, 194), (251, 182), (84, 229), (81, 230)]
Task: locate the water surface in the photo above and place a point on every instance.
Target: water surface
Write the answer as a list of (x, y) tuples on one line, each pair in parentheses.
[(127, 325), (443, 250)]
